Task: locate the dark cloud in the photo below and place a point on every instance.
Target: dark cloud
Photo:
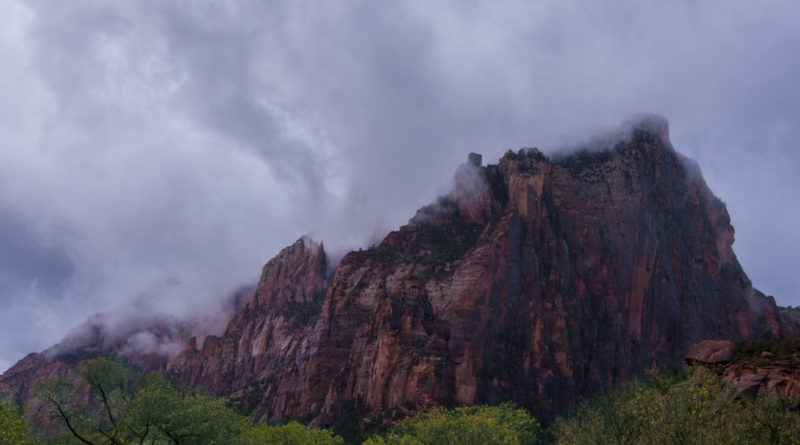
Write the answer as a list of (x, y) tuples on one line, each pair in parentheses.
[(165, 150), (26, 261)]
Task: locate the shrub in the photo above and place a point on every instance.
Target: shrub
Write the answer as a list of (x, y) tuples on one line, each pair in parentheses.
[(292, 433), (668, 409), (14, 430), (502, 424)]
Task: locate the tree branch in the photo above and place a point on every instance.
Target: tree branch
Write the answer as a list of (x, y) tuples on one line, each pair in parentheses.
[(65, 417)]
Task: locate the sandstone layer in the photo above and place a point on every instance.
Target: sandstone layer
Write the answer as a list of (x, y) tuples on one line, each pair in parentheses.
[(540, 281)]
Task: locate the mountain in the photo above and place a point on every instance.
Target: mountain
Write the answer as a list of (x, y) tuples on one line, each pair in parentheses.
[(144, 339), (537, 280)]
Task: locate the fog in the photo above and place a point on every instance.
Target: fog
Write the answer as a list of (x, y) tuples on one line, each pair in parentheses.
[(164, 151)]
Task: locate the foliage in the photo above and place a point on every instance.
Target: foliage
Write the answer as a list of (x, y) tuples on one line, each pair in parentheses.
[(502, 424), (668, 409), (292, 433), (773, 420), (14, 430), (108, 404), (779, 347)]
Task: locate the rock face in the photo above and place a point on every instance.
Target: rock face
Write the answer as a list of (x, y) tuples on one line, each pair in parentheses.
[(540, 281), (750, 378), (268, 332), (790, 319), (750, 373), (710, 352)]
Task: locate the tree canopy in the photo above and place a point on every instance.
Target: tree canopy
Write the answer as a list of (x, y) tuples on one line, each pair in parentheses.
[(472, 425), (105, 402), (14, 430)]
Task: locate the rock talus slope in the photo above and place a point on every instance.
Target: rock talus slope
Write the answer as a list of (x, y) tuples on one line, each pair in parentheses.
[(537, 280)]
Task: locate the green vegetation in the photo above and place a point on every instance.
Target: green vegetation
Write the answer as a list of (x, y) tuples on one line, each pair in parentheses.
[(473, 425), (14, 430), (105, 402), (690, 406), (292, 433), (777, 348)]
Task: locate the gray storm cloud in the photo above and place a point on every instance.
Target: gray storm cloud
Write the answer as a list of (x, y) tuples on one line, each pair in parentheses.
[(165, 150)]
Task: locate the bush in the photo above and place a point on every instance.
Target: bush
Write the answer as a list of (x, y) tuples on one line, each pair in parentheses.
[(478, 425), (292, 433), (105, 402), (14, 430), (779, 347), (666, 409)]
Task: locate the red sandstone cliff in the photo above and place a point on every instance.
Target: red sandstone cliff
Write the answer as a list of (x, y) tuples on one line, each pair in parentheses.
[(273, 328), (537, 280)]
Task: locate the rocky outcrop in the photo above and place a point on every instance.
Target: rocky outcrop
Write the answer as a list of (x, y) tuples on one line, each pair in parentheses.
[(769, 365), (750, 378), (540, 281), (710, 352), (268, 332), (20, 381), (790, 321)]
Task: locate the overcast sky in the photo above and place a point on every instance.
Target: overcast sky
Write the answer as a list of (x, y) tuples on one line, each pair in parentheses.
[(163, 151)]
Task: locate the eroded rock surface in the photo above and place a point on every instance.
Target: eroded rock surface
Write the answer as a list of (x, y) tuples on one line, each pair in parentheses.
[(710, 352), (749, 378), (539, 281)]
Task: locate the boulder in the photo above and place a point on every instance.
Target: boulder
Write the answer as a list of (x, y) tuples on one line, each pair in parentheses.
[(709, 352)]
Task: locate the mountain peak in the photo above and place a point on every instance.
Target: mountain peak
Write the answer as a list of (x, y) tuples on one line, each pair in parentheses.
[(540, 281), (649, 122)]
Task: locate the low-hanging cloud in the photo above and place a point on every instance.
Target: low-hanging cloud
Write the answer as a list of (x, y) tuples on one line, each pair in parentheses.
[(168, 149)]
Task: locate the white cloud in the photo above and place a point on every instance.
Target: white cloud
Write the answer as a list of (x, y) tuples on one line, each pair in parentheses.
[(170, 149)]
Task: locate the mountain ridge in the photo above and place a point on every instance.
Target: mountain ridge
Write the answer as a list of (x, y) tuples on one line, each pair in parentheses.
[(537, 280), (399, 323)]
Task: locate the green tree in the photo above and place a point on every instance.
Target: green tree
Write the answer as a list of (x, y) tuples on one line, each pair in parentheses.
[(771, 419), (96, 404), (502, 425), (106, 403), (14, 430), (200, 419), (695, 408), (292, 433)]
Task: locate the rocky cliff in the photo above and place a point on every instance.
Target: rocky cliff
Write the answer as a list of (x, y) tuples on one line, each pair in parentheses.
[(537, 280), (767, 366), (269, 331)]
